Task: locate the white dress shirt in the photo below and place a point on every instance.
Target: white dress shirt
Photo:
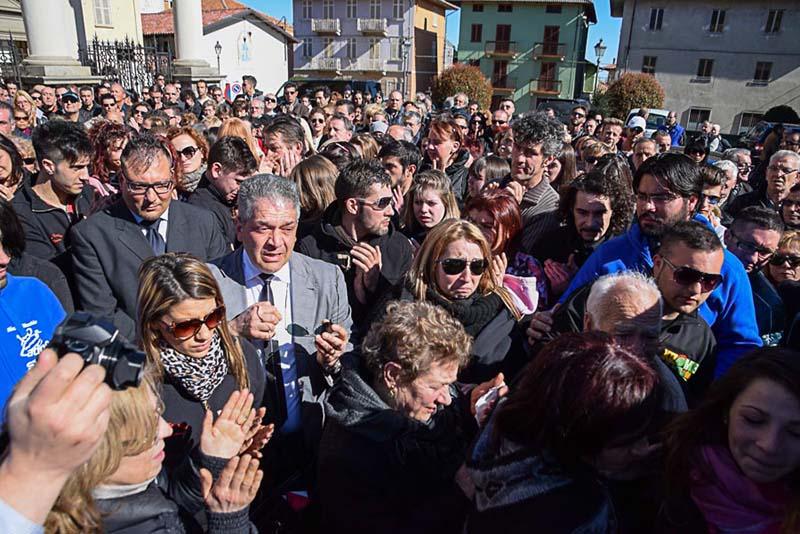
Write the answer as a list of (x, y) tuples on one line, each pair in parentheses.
[(162, 226), (283, 302)]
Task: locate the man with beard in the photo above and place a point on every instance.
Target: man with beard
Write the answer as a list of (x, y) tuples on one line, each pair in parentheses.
[(577, 119), (357, 234), (782, 175), (753, 238), (668, 188)]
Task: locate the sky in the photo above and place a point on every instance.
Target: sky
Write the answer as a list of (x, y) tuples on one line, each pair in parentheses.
[(607, 28)]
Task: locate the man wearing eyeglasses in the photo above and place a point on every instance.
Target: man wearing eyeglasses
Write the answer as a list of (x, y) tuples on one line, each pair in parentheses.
[(782, 175), (753, 237), (109, 246), (668, 188), (356, 233)]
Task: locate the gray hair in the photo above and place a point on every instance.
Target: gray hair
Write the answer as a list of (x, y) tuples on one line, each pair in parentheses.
[(727, 165), (780, 154), (604, 296), (412, 115), (266, 186), (731, 153), (537, 128)]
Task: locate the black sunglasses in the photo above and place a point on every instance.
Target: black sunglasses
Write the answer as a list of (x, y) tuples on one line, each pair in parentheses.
[(270, 100), (454, 266), (186, 329), (779, 259), (591, 160), (28, 161), (686, 276), (188, 152)]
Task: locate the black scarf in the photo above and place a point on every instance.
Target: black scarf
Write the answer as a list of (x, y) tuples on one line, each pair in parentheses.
[(473, 313)]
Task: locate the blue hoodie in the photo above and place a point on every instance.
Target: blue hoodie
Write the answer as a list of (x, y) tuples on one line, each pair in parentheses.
[(728, 310), (29, 314)]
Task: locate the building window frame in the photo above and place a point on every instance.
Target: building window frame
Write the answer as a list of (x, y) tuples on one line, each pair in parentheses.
[(553, 9), (102, 13), (328, 9), (374, 9), (717, 24), (505, 8), (328, 45), (705, 71), (374, 48), (748, 119), (352, 50), (306, 9), (398, 9), (656, 19), (696, 117), (763, 73), (774, 21), (649, 65), (395, 52), (352, 9), (308, 48), (477, 8), (476, 35)]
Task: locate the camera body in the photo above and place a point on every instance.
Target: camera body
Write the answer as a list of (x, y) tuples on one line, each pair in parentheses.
[(99, 342)]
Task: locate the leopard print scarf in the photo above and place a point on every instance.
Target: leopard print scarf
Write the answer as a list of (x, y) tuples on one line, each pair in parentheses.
[(199, 377)]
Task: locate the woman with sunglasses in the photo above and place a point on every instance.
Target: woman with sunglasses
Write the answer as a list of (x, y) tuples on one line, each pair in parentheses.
[(428, 202), (697, 151), (785, 263), (452, 270), (108, 141), (183, 330), (444, 150), (192, 149), (733, 462), (316, 120), (27, 104)]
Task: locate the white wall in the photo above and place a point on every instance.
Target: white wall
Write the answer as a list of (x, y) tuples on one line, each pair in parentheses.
[(268, 56)]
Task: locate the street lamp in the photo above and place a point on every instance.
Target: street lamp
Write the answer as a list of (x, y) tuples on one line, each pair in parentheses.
[(599, 50), (406, 47), (218, 50)]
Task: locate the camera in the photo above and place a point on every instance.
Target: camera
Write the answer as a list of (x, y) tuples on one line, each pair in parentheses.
[(99, 342)]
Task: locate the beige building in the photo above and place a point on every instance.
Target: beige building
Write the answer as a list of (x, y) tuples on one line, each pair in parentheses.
[(111, 20)]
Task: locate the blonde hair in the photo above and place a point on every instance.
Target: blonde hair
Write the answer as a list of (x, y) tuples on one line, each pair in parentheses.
[(32, 113), (235, 127), (790, 240), (132, 429), (422, 274), (595, 150), (172, 278), (366, 144), (315, 177), (430, 180)]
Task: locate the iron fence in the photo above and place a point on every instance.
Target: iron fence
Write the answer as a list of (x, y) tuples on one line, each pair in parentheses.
[(11, 55), (134, 65)]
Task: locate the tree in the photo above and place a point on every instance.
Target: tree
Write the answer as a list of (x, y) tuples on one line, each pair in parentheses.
[(462, 78), (633, 90)]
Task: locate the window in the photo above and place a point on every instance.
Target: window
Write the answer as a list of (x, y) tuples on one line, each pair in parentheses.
[(327, 9), (717, 21), (763, 70), (374, 48), (351, 48), (352, 11), (774, 19), (748, 120), (477, 33), (477, 8), (398, 8), (697, 117), (307, 51), (704, 69), (504, 8), (102, 12), (649, 65), (394, 49), (327, 46), (374, 9), (306, 9), (552, 9), (656, 18)]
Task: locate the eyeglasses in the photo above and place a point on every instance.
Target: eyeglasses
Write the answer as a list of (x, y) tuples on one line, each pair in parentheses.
[(712, 200), (686, 276), (782, 171), (578, 115), (290, 92), (658, 198), (779, 259), (270, 100), (139, 111), (317, 121), (752, 248), (378, 205), (499, 122), (187, 329), (36, 97), (744, 167), (453, 266), (188, 152), (138, 188), (20, 117), (28, 161)]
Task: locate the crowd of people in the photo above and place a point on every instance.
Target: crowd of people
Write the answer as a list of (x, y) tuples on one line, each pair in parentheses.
[(362, 315)]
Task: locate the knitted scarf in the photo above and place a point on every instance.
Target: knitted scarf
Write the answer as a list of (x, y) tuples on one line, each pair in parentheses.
[(474, 313)]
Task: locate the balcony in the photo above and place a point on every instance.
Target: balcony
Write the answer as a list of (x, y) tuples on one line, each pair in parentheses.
[(326, 26), (372, 26), (504, 85), (325, 64), (501, 49), (549, 51), (545, 86), (370, 65)]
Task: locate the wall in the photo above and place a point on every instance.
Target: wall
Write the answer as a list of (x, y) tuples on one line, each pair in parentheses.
[(431, 19), (125, 19), (684, 39)]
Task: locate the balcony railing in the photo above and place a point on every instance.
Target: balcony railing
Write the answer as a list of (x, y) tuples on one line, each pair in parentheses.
[(504, 85), (326, 26), (328, 64), (370, 65), (501, 49), (549, 50), (372, 26), (545, 86)]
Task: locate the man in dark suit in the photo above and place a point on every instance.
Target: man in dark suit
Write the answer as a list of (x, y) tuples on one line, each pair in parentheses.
[(295, 310), (109, 246)]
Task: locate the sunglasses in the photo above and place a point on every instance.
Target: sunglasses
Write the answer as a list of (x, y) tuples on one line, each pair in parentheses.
[(140, 112), (380, 204), (20, 117), (779, 259), (188, 152), (499, 122), (578, 115), (686, 276), (317, 121), (453, 266), (28, 161), (187, 329), (270, 100)]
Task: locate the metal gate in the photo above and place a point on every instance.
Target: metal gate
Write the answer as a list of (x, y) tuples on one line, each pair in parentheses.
[(11, 55), (134, 65)]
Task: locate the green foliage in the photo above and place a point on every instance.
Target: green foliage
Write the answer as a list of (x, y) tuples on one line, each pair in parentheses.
[(600, 103), (633, 90), (462, 78)]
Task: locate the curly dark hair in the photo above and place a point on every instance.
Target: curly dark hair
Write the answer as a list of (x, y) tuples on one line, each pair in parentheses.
[(103, 135), (608, 184), (539, 128)]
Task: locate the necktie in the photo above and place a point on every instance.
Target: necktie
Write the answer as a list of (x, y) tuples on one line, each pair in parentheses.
[(271, 346), (157, 242)]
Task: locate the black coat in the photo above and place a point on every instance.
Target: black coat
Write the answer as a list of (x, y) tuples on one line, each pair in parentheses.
[(381, 472), (27, 265), (205, 196), (457, 173)]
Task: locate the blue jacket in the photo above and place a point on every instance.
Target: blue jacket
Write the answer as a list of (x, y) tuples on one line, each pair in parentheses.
[(728, 310), (676, 132), (29, 313)]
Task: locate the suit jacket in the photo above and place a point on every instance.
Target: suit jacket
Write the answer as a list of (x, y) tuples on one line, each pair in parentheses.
[(109, 247), (318, 293)]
